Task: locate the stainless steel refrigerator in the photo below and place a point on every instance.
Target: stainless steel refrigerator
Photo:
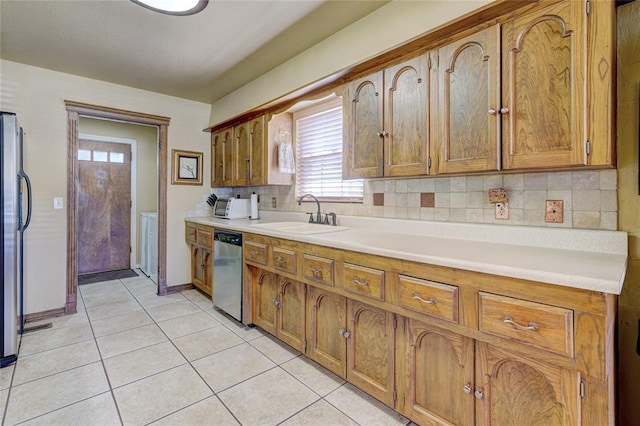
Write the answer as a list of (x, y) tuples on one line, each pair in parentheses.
[(15, 187)]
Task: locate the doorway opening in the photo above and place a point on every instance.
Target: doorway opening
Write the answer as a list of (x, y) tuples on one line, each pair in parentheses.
[(75, 111)]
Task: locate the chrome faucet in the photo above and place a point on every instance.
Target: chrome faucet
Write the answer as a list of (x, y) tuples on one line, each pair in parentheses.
[(319, 215)]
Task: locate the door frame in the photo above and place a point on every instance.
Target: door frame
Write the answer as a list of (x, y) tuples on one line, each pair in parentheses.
[(74, 111), (134, 193)]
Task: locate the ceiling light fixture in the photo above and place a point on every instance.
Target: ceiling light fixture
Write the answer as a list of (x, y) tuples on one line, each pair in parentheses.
[(174, 7)]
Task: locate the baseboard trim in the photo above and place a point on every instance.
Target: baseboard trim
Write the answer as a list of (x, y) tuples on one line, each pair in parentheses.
[(177, 288), (39, 316)]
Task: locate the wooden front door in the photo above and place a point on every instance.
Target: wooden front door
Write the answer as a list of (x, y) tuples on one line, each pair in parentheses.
[(104, 206)]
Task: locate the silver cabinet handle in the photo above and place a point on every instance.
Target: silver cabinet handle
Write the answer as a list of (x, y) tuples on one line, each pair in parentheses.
[(380, 134), (492, 111), (276, 303), (532, 326), (467, 388), (385, 133), (316, 271), (341, 332), (346, 334), (504, 110), (429, 301), (478, 394), (364, 283)]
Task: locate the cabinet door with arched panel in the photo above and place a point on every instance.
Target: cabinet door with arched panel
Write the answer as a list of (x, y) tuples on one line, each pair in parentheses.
[(517, 390), (544, 109), (437, 375), (466, 137)]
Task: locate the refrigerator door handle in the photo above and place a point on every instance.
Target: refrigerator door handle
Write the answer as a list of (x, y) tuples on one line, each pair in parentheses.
[(23, 174), (29, 201)]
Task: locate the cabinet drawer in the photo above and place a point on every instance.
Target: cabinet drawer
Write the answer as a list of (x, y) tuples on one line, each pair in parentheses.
[(365, 281), (190, 234), (544, 326), (204, 238), (285, 260), (428, 297), (318, 269), (256, 252)]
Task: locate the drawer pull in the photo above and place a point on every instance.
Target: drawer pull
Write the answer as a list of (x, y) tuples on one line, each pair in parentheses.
[(364, 283), (280, 261), (430, 301), (532, 326), (276, 303), (315, 271), (467, 388)]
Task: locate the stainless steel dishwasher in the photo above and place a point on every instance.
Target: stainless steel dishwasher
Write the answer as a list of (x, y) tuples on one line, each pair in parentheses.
[(227, 272)]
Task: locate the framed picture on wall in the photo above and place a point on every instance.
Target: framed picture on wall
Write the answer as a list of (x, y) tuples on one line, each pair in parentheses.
[(186, 167)]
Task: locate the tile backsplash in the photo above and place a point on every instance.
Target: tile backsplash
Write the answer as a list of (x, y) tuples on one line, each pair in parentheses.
[(589, 199)]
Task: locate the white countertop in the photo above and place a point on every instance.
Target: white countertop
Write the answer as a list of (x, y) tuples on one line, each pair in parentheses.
[(578, 258)]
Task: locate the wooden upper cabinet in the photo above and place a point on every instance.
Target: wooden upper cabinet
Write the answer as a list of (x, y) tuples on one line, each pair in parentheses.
[(246, 154), (258, 168), (466, 137), (222, 158), (227, 157), (406, 118), (217, 158), (242, 155), (363, 152), (386, 122), (543, 88)]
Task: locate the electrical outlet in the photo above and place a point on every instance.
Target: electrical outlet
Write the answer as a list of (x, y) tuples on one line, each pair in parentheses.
[(554, 211), (274, 202), (502, 210)]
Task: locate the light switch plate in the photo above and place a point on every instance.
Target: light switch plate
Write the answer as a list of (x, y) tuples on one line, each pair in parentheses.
[(554, 211), (58, 203)]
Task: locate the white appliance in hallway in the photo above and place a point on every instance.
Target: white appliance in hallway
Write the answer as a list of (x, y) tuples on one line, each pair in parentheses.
[(149, 244), (14, 223)]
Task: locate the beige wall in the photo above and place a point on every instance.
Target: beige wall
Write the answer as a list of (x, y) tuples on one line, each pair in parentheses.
[(629, 200), (385, 28), (146, 184), (37, 96)]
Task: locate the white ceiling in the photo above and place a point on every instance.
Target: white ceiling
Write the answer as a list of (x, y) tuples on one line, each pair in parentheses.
[(201, 57)]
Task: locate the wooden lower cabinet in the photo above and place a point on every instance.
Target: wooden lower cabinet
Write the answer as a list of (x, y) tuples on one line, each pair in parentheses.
[(201, 268), (438, 364), (521, 391), (279, 308), (326, 324), (353, 340), (434, 348), (451, 379), (370, 350)]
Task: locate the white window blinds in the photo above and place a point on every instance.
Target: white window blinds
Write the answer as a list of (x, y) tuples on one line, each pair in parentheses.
[(319, 155)]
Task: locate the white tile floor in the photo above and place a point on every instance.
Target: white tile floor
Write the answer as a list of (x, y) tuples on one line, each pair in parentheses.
[(130, 357)]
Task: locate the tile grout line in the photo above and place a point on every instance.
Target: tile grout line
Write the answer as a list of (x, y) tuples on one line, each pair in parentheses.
[(188, 362), (104, 368)]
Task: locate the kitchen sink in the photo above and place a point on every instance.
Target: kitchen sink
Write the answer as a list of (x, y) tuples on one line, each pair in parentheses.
[(300, 227)]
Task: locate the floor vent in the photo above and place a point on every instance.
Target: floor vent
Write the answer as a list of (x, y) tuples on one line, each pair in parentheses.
[(37, 327)]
